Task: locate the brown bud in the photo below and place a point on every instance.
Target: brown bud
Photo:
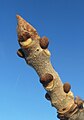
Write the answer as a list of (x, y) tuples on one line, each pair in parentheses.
[(20, 53), (46, 79), (44, 42), (66, 87), (47, 96)]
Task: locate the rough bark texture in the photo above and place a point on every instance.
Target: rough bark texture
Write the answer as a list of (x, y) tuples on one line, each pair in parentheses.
[(34, 51)]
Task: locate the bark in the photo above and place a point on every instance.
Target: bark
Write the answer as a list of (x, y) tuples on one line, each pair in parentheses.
[(36, 54)]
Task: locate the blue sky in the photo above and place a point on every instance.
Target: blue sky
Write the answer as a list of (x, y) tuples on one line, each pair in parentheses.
[(62, 21)]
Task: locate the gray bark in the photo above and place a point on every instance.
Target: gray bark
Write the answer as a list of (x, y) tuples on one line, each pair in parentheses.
[(39, 59)]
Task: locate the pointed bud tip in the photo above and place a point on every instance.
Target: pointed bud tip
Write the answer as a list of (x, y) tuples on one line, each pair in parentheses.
[(18, 16), (23, 26)]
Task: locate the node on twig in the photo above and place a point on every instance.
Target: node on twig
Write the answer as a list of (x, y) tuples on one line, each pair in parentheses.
[(46, 79)]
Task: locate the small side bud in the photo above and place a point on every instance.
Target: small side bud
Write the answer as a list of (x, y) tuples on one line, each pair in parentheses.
[(20, 53), (66, 87), (44, 42), (47, 96), (46, 79)]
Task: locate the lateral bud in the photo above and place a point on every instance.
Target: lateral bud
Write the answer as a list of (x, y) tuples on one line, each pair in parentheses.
[(44, 42), (66, 87), (46, 79), (47, 96), (20, 53)]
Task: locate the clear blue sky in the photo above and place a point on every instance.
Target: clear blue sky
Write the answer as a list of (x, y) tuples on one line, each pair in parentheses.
[(62, 21)]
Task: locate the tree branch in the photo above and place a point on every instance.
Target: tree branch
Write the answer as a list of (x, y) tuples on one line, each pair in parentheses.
[(34, 51)]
